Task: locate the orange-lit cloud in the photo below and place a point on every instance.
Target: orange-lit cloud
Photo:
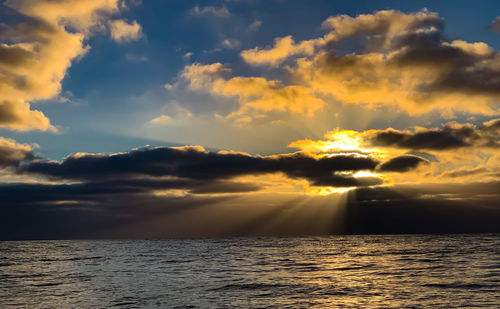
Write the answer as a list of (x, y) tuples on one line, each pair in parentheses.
[(39, 52), (402, 60), (253, 93), (282, 49), (461, 152)]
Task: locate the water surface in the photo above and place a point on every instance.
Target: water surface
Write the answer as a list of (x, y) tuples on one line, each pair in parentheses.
[(419, 271)]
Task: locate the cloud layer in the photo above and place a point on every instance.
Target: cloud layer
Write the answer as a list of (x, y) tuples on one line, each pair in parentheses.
[(252, 93), (388, 58), (449, 136), (197, 164), (402, 59)]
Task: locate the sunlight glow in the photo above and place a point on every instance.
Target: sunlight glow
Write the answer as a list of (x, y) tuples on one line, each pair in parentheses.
[(365, 174), (322, 191), (343, 140)]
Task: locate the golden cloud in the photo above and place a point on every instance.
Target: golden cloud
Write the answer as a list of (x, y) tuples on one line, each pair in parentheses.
[(253, 93), (461, 152), (282, 49), (39, 52), (403, 60)]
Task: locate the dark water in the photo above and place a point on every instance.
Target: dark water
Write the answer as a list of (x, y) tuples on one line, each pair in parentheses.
[(447, 271)]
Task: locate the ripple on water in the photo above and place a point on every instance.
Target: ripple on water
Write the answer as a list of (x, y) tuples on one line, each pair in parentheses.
[(419, 271)]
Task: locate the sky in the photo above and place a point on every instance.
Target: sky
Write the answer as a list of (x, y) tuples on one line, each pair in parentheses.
[(150, 119)]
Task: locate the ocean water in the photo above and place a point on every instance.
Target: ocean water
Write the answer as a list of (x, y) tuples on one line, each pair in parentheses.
[(406, 271)]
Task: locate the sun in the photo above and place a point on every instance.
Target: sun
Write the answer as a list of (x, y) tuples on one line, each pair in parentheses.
[(342, 140), (335, 141)]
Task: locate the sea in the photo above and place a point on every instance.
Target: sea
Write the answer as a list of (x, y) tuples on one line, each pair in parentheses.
[(356, 271)]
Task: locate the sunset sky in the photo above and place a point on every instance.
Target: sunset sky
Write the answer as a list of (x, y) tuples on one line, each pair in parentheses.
[(130, 118)]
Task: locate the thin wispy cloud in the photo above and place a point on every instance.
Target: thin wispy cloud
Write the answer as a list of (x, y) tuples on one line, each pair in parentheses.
[(222, 11), (495, 25)]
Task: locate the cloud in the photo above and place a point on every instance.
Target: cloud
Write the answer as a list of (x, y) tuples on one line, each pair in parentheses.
[(402, 164), (216, 11), (267, 95), (203, 76), (255, 25), (425, 208), (282, 49), (495, 25), (253, 93), (197, 164), (136, 57), (187, 56), (37, 49), (122, 32), (162, 119), (148, 182), (403, 61), (231, 43), (13, 153), (383, 23), (450, 136), (125, 210), (464, 172), (398, 59), (444, 138), (173, 113), (159, 186)]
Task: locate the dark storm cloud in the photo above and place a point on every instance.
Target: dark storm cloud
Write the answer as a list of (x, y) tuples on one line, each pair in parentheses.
[(95, 192), (449, 136), (95, 179), (402, 164), (165, 192), (432, 208), (105, 192), (194, 163), (431, 139), (36, 211)]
